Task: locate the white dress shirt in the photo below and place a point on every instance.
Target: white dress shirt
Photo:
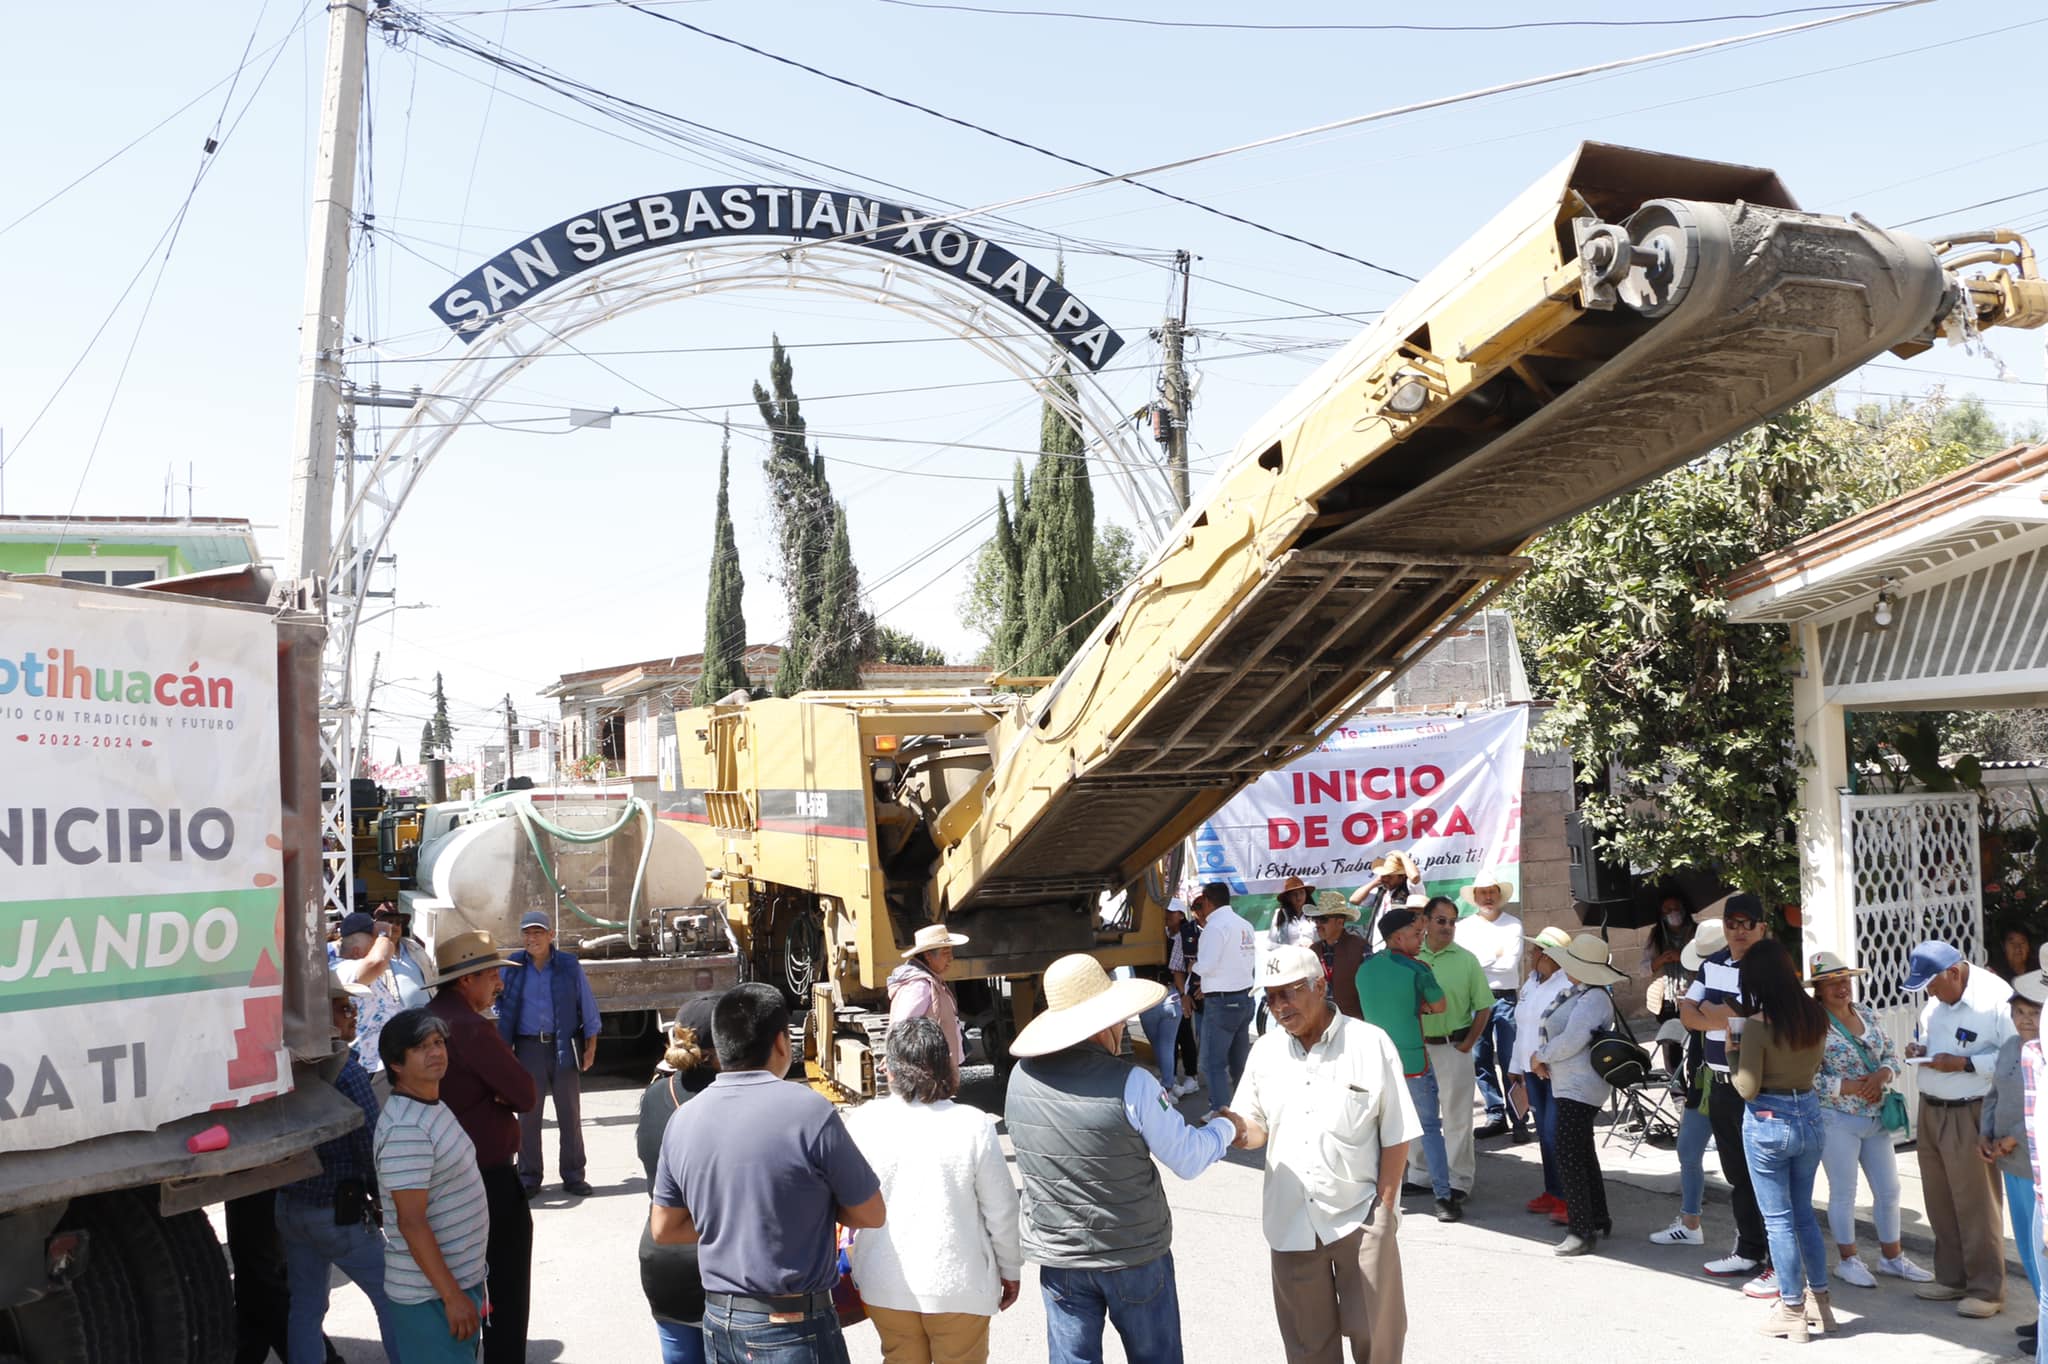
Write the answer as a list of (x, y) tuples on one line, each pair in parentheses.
[(1498, 945), (1529, 1006), (1981, 1013), (1328, 1110), (1228, 955)]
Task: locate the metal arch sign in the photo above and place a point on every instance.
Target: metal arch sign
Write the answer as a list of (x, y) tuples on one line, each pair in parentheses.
[(656, 221)]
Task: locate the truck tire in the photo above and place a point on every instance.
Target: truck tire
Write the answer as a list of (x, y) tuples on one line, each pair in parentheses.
[(96, 1320), (209, 1291), (126, 1228)]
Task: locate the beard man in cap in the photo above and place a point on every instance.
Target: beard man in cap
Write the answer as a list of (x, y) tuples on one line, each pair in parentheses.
[(549, 1018), (1085, 1126), (1963, 1026), (1325, 1097), (487, 1090)]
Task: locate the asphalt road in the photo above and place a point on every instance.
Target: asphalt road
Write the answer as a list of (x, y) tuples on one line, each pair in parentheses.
[(1486, 1289)]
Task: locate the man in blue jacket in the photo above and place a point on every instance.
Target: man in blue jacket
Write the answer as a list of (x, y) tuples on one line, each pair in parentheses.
[(549, 1016)]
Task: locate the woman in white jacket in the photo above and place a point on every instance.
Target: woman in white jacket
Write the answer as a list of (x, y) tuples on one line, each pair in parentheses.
[(948, 1259)]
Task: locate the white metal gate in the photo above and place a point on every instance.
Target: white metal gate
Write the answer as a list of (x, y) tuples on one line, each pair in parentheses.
[(1910, 870)]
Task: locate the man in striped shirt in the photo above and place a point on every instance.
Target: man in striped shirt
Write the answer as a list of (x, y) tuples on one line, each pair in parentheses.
[(1707, 1008), (433, 1196)]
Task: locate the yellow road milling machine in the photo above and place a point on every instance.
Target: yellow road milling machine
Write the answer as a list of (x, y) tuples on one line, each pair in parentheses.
[(1627, 313)]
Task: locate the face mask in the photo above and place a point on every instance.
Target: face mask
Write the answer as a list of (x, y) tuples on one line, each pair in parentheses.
[(1674, 917)]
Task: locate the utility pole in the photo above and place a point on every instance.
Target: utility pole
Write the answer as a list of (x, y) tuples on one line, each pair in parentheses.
[(510, 719), (369, 700), (1175, 400), (321, 325)]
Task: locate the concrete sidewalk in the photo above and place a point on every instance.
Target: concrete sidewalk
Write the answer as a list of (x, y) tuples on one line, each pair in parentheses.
[(1653, 1167)]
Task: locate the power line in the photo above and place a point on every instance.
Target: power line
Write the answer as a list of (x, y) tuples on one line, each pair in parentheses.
[(986, 131), (1971, 208), (1365, 28)]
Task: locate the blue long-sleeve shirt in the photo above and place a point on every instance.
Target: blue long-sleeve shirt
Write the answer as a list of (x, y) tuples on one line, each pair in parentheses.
[(1182, 1148), (347, 1156)]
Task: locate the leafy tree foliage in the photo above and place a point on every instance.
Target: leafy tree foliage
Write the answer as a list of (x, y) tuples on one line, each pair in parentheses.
[(725, 619), (898, 646), (1681, 722)]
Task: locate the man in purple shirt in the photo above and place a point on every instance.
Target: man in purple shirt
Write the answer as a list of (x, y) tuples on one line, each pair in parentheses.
[(755, 1172)]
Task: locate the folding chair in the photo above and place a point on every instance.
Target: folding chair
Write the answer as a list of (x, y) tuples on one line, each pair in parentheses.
[(1642, 1107)]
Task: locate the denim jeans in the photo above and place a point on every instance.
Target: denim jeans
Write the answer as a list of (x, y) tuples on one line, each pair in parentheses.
[(1846, 1142), (1781, 1138), (1161, 1023), (312, 1243), (1543, 1113), (1694, 1132), (1496, 1045), (2026, 1234), (732, 1336), (1422, 1089), (1226, 1042), (1141, 1302), (681, 1342)]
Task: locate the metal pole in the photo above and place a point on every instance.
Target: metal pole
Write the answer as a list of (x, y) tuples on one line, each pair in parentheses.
[(1173, 385), (315, 420), (369, 700)]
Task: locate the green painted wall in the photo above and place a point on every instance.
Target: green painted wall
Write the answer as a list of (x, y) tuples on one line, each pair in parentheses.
[(35, 557)]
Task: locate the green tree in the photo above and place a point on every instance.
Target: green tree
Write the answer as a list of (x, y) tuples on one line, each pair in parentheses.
[(443, 732), (426, 741), (397, 756), (1680, 722), (1062, 592), (839, 637), (725, 621), (891, 645)]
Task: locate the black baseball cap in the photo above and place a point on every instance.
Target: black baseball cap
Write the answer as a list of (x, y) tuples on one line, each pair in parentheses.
[(358, 922), (1743, 905)]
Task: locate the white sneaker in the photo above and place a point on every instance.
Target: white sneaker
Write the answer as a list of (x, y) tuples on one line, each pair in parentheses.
[(1899, 1267), (1853, 1271), (1764, 1285), (1678, 1234), (1730, 1265), (1188, 1085)]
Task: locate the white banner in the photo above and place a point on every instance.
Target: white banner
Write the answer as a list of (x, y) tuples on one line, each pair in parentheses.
[(1448, 792), (141, 910)]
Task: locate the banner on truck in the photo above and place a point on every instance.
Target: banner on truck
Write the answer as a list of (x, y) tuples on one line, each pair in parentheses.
[(141, 906), (1447, 791)]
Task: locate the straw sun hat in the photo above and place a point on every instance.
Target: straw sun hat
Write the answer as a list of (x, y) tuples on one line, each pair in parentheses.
[(1081, 1001), (932, 937), (1585, 959)]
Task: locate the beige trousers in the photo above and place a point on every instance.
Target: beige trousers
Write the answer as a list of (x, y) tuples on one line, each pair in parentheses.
[(1347, 1290), (1457, 1077), (1964, 1201), (930, 1337)]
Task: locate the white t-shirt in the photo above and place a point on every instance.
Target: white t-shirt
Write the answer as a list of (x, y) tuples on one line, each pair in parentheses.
[(1498, 945), (1535, 997), (1228, 956)]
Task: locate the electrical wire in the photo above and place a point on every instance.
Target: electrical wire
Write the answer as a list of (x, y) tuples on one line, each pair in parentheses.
[(1241, 27)]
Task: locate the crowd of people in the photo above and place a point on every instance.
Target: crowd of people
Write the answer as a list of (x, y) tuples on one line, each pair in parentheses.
[(1385, 1023)]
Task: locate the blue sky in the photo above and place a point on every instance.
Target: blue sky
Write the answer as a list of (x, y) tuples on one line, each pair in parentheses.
[(536, 549)]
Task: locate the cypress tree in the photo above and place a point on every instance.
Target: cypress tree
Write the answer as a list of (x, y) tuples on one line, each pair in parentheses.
[(802, 503), (443, 732), (842, 626), (426, 741), (1061, 591), (1008, 641), (725, 621)]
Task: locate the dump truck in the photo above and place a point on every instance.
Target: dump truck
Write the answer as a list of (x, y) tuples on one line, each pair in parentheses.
[(1627, 313), (162, 960)]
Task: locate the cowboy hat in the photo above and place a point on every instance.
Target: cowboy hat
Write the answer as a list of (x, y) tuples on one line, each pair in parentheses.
[(1081, 1001), (934, 936), (2032, 986), (1493, 879), (1709, 937), (1397, 863), (1296, 883), (1330, 904), (1585, 960), (464, 954), (1551, 940), (1828, 966)]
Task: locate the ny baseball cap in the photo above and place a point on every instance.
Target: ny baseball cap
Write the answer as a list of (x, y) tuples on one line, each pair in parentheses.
[(1289, 965)]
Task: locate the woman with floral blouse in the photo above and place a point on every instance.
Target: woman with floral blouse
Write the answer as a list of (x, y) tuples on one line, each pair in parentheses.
[(1858, 1065)]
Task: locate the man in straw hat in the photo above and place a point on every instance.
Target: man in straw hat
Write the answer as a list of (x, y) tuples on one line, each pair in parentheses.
[(1706, 1008), (487, 1089), (1085, 1126), (918, 988), (1395, 878), (1341, 951), (1325, 1097), (1494, 936)]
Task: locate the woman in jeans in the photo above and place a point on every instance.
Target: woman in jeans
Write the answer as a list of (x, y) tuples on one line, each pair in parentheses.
[(1775, 1048), (1529, 1091), (668, 1274), (1859, 1062), (1563, 1058)]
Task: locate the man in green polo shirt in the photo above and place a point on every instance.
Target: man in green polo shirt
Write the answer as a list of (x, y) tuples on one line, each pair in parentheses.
[(1449, 1037), (1395, 991)]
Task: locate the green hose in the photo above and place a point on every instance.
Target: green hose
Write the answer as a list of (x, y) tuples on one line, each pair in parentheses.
[(636, 808)]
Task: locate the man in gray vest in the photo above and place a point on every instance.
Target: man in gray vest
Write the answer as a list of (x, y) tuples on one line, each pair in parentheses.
[(1085, 1125)]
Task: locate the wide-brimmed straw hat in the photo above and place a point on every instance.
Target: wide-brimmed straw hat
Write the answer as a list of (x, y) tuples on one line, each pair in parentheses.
[(1397, 862), (1551, 940), (1080, 1001), (1330, 904), (1708, 937), (1585, 959), (1489, 879), (933, 936), (1827, 966), (465, 954)]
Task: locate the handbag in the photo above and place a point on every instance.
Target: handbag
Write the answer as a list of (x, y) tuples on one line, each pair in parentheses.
[(846, 1299), (1891, 1111)]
